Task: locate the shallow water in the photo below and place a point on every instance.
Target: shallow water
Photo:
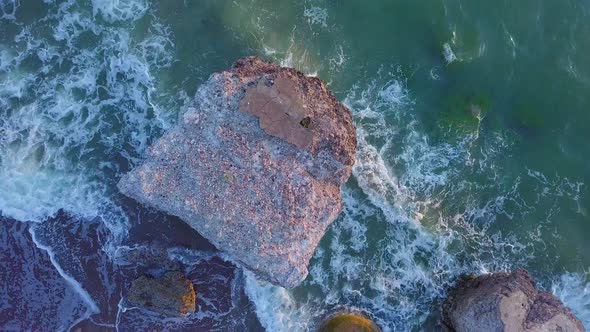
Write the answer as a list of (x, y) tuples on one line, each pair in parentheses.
[(472, 118)]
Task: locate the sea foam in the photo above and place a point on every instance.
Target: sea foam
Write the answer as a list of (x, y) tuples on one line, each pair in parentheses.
[(574, 291), (77, 107)]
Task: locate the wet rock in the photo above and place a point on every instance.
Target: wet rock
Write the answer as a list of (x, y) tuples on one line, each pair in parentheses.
[(507, 302), (171, 294), (33, 295), (349, 322), (255, 166), (221, 302), (80, 248)]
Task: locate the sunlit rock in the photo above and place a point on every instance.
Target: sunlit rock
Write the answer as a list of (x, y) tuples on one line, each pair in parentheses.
[(255, 166)]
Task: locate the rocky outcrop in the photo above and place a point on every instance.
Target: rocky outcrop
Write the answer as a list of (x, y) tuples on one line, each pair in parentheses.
[(33, 294), (255, 166), (506, 302), (349, 322), (171, 294)]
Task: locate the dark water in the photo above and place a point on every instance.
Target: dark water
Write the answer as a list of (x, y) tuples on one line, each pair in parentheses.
[(473, 123)]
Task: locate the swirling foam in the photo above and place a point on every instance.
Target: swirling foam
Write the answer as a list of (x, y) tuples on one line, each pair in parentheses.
[(574, 291), (77, 107), (60, 133)]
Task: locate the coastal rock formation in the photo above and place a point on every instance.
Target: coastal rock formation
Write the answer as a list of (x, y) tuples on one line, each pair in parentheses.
[(255, 166), (33, 294), (349, 322), (171, 295), (506, 302)]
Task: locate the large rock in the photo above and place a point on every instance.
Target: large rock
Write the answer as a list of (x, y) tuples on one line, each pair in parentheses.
[(506, 302), (171, 294), (255, 166)]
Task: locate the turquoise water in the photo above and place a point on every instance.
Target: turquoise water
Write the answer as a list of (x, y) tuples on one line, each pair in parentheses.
[(473, 124)]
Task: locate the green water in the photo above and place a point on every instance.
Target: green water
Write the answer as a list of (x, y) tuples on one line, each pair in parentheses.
[(473, 121)]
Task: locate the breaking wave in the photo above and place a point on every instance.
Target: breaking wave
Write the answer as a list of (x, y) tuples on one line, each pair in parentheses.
[(78, 107)]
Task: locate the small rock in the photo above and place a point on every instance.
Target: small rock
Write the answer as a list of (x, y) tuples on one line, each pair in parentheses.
[(170, 295), (506, 302), (349, 322)]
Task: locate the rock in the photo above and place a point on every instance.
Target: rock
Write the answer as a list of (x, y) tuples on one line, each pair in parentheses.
[(171, 295), (507, 302), (349, 322), (33, 294), (255, 166), (222, 304)]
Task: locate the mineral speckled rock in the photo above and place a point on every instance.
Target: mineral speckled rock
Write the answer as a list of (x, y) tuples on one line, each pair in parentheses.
[(171, 294), (506, 302), (255, 166)]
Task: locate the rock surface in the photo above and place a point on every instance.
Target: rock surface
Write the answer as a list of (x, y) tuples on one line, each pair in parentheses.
[(255, 166), (33, 295), (171, 295), (508, 302), (349, 322)]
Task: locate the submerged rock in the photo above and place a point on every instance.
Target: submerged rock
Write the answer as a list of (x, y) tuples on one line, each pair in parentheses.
[(255, 166), (506, 302), (349, 322), (172, 294)]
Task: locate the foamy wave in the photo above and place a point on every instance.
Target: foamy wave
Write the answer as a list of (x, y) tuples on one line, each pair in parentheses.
[(574, 291), (8, 9), (448, 53), (63, 132), (120, 10), (92, 307), (275, 306), (77, 107), (316, 15)]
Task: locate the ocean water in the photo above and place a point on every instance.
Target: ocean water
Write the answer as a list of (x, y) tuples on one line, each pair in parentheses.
[(473, 128)]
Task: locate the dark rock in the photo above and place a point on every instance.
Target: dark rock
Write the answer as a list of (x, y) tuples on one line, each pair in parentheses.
[(90, 298), (221, 304), (33, 295), (506, 302), (255, 167), (79, 247), (171, 294)]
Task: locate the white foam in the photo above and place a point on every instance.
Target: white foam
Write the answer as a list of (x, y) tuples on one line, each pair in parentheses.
[(280, 311), (93, 308), (316, 16), (448, 53), (66, 121), (48, 139), (8, 9), (574, 291), (120, 10)]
